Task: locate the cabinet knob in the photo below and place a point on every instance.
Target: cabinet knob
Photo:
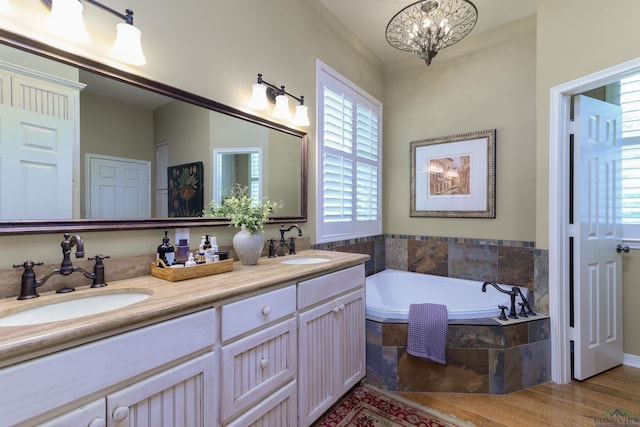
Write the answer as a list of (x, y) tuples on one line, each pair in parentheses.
[(264, 363), (98, 422), (120, 413), (341, 306), (266, 310), (336, 309)]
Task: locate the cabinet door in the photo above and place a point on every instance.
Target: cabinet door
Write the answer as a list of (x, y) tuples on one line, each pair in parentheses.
[(277, 410), (316, 361), (180, 396), (351, 341), (89, 415), (256, 365)]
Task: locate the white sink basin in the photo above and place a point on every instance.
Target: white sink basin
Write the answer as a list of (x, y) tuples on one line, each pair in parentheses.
[(72, 308), (308, 260)]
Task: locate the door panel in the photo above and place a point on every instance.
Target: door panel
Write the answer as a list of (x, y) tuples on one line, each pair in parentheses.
[(36, 153), (118, 188), (598, 231)]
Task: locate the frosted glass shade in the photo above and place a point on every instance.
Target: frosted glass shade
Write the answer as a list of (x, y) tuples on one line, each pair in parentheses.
[(301, 118), (258, 99), (282, 107), (66, 22), (5, 7), (127, 47)]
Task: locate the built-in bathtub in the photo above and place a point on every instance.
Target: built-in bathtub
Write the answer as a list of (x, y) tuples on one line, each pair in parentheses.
[(484, 355), (390, 292)]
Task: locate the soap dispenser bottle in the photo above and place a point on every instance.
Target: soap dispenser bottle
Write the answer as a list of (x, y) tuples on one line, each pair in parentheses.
[(166, 251)]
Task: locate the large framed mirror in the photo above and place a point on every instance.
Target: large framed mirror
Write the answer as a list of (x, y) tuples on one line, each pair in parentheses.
[(129, 126)]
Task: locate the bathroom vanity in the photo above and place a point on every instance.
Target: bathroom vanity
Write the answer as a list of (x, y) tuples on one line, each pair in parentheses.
[(274, 343)]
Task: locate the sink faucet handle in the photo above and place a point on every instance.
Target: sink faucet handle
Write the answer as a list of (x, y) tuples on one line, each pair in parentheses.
[(28, 282), (292, 245), (27, 264), (272, 248), (98, 271), (503, 315)]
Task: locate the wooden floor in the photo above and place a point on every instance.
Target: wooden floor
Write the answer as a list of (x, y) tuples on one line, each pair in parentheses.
[(575, 404)]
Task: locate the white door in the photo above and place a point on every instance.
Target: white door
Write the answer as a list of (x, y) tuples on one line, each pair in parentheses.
[(597, 265), (36, 159), (118, 188)]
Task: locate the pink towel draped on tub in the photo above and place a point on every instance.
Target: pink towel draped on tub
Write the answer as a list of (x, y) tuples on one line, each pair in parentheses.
[(428, 326)]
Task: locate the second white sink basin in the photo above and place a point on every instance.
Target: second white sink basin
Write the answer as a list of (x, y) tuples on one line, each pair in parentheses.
[(72, 308), (308, 260)]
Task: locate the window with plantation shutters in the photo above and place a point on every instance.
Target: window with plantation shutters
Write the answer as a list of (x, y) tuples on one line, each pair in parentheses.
[(349, 131), (629, 98), (254, 177)]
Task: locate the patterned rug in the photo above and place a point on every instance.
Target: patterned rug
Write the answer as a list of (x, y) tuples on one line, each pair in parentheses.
[(366, 406)]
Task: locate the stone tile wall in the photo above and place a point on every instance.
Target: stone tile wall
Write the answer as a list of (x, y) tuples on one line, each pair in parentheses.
[(502, 261), (481, 358), (484, 357)]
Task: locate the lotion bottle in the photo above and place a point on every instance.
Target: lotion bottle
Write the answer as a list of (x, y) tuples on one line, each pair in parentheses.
[(166, 252)]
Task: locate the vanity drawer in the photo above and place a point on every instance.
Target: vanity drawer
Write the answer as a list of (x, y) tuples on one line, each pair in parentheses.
[(243, 316), (321, 288), (255, 366)]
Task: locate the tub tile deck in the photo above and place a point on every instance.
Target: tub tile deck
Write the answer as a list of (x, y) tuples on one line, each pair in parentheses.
[(483, 356)]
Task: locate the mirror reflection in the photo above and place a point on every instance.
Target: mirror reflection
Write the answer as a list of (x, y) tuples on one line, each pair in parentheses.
[(135, 154)]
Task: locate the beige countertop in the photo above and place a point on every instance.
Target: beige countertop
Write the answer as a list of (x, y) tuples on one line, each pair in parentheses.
[(167, 300)]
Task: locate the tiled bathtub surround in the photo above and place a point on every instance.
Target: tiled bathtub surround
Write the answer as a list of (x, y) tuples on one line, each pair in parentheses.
[(503, 261), (482, 357), (373, 246)]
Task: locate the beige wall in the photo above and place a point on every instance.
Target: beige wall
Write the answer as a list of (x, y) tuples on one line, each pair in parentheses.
[(132, 138), (575, 38), (500, 80), (487, 82), (214, 49)]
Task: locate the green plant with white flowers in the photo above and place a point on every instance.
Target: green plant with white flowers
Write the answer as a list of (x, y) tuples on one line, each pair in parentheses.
[(242, 210)]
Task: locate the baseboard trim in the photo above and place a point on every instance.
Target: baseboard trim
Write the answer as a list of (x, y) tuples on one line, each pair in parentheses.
[(631, 360)]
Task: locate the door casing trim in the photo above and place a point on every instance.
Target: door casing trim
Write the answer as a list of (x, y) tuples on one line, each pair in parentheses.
[(560, 107)]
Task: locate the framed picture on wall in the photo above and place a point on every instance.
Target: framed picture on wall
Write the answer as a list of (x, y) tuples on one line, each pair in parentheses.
[(454, 176), (185, 190)]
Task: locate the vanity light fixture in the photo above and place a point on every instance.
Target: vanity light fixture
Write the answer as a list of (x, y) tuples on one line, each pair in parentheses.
[(66, 21), (428, 26), (263, 91)]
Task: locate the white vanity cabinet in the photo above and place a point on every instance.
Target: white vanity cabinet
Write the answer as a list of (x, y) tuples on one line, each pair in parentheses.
[(259, 360), (331, 328), (149, 376)]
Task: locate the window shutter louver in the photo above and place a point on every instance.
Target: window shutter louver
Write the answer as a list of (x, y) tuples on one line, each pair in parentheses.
[(630, 104), (349, 185)]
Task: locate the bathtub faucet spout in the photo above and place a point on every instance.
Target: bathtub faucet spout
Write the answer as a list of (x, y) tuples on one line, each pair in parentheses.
[(515, 291)]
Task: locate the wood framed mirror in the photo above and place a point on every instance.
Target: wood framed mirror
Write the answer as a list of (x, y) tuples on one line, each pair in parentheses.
[(229, 128)]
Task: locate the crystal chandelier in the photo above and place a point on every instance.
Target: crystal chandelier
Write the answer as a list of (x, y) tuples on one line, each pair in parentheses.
[(428, 26)]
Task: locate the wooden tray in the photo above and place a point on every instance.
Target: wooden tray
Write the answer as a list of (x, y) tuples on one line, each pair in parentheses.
[(184, 273)]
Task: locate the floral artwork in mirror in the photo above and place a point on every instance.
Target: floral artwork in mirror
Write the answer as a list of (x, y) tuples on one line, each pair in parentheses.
[(454, 176), (185, 190)]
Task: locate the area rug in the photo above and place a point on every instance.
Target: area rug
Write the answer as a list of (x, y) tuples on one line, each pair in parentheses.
[(366, 406)]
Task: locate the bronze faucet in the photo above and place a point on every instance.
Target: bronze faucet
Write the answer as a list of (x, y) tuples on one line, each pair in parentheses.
[(29, 282), (273, 250), (513, 293)]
